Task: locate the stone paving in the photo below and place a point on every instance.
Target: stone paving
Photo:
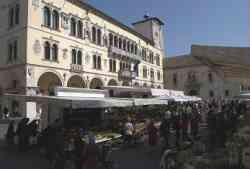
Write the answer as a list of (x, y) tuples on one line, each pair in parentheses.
[(129, 158)]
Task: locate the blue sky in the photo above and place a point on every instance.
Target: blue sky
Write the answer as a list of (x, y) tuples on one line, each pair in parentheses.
[(205, 22)]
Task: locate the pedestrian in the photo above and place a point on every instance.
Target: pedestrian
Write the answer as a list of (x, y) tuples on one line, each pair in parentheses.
[(90, 154), (195, 123), (22, 132), (152, 133), (185, 123), (128, 132), (177, 127), (211, 122), (10, 133), (165, 129)]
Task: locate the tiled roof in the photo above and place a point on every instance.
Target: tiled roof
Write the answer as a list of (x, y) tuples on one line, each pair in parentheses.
[(182, 61), (101, 14), (223, 55)]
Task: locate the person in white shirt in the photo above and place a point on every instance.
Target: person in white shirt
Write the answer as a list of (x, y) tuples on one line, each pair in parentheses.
[(128, 132)]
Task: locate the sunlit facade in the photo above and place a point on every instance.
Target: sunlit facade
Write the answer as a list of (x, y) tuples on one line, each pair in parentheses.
[(69, 43)]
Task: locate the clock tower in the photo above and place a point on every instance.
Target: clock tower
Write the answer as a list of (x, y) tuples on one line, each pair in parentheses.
[(152, 28)]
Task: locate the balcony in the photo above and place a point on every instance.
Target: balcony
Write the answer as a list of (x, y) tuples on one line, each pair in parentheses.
[(116, 50), (76, 68)]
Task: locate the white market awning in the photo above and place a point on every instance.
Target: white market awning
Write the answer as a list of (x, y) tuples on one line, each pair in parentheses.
[(149, 101), (75, 102)]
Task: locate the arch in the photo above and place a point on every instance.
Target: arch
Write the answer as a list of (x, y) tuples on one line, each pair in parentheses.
[(76, 82), (96, 83), (47, 81), (145, 85), (112, 82), (159, 87), (152, 86)]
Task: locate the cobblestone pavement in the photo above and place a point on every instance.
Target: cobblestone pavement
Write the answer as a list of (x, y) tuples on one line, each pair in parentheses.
[(129, 158), (11, 159)]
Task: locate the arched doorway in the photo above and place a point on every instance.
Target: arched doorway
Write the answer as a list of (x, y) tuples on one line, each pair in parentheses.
[(112, 82), (145, 85), (47, 82), (76, 82), (159, 87), (96, 84), (152, 86)]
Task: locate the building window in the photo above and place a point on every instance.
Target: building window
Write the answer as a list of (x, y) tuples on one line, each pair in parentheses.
[(152, 74), (116, 41), (73, 27), (47, 50), (55, 20), (123, 65), (136, 49), (50, 51), (15, 49), (175, 79), (210, 77), (54, 52), (17, 14), (111, 39), (144, 54), (97, 62), (14, 15), (46, 16), (80, 29), (99, 37), (128, 46), (11, 17), (74, 56), (12, 51), (132, 48), (157, 60), (93, 34), (211, 93), (124, 44), (79, 57), (159, 75), (145, 72), (151, 57), (227, 93), (112, 65), (120, 43)]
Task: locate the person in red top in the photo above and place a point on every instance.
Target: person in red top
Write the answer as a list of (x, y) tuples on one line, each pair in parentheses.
[(152, 133), (90, 154)]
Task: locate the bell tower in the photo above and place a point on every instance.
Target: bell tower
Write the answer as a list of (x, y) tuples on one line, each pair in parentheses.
[(152, 28)]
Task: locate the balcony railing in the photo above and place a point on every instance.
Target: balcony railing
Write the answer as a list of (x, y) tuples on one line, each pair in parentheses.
[(76, 68), (116, 50)]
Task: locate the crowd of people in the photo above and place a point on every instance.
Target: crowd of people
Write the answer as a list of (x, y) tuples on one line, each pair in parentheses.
[(181, 121)]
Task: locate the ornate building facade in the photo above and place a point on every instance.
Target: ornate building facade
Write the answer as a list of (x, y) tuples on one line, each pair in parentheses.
[(69, 43), (209, 71)]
